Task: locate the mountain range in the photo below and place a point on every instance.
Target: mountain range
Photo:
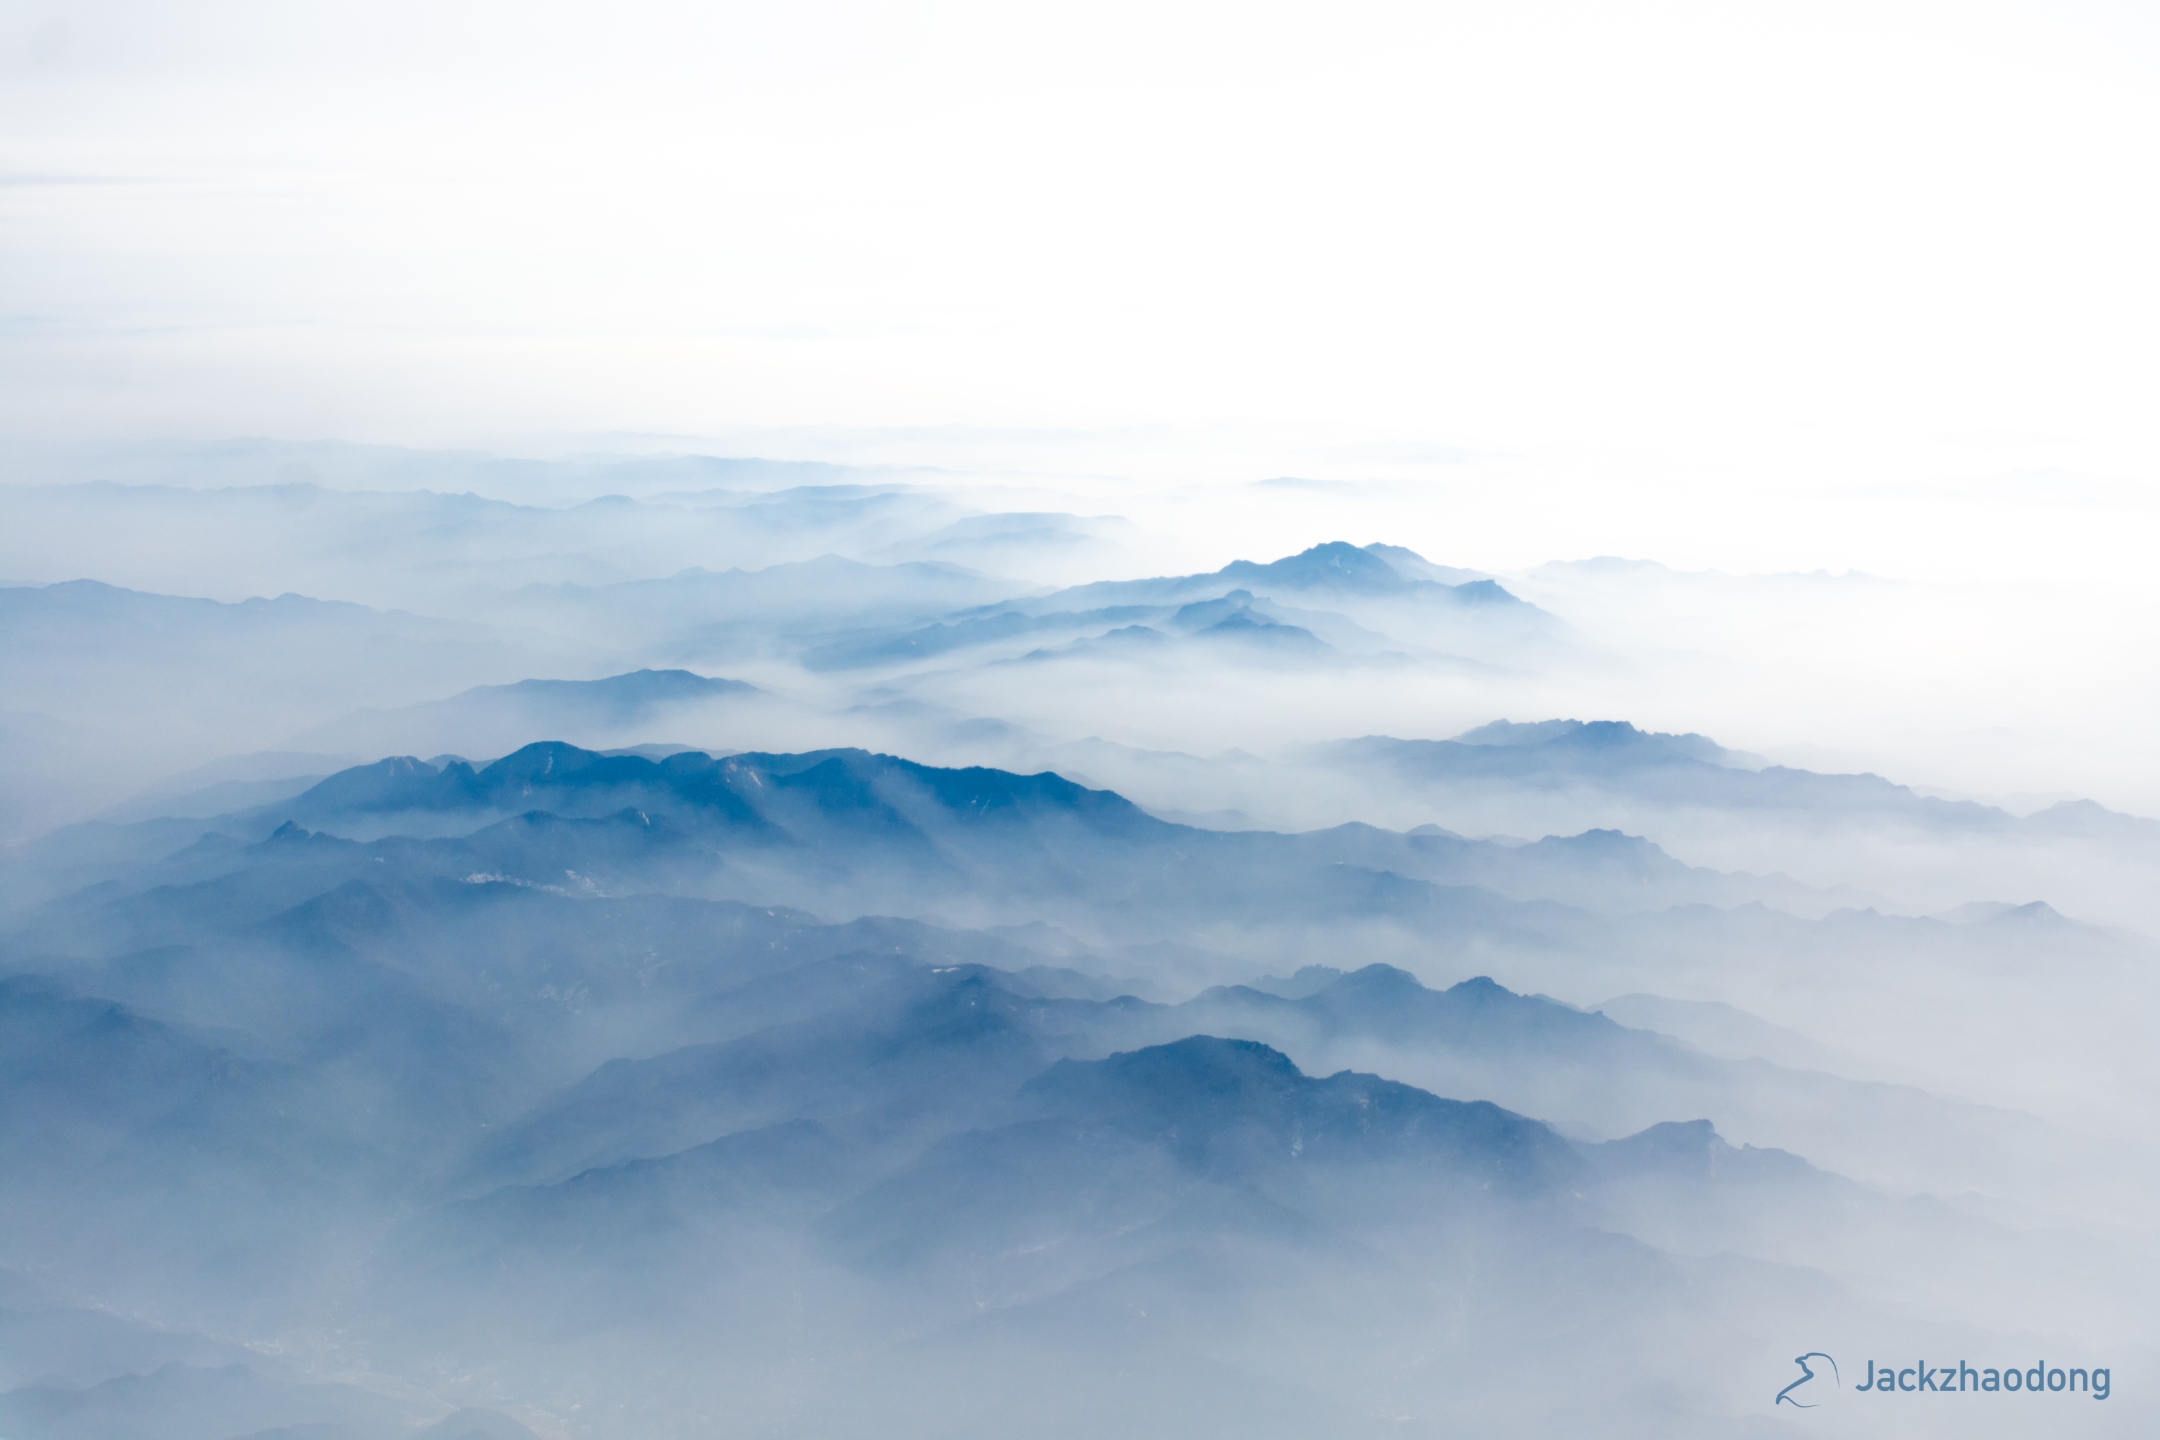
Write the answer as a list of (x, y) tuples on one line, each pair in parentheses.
[(598, 1091), (717, 957)]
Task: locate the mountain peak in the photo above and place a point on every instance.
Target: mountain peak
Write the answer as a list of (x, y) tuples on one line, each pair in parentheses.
[(1333, 565), (543, 760), (1376, 980), (1600, 738), (1693, 1150), (1201, 1070), (1413, 566)]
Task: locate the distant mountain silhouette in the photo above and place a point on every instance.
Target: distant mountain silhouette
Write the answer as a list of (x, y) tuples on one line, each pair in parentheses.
[(1236, 1108), (1692, 1150), (1128, 642), (1333, 568), (1246, 628), (1675, 770), (1611, 739), (890, 645), (1320, 579)]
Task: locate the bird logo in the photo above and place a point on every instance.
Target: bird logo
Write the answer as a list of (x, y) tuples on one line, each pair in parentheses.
[(1807, 1373)]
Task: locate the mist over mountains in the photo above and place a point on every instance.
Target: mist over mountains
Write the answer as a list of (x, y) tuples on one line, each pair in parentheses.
[(735, 948), (1136, 685)]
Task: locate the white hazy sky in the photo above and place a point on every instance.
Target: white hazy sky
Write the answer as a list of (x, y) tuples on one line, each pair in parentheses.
[(1760, 285)]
